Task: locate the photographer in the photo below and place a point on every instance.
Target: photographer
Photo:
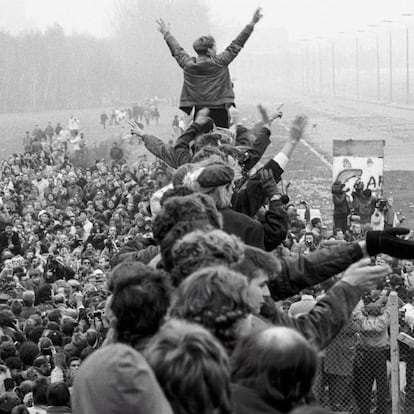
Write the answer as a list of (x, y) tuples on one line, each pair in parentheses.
[(390, 217), (363, 202), (377, 218), (342, 206)]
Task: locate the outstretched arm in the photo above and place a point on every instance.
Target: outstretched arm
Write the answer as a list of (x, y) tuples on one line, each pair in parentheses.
[(179, 54), (154, 145), (231, 52)]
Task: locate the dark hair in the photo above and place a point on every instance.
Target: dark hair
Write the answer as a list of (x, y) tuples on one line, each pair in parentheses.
[(55, 336), (20, 409), (58, 394), (207, 152), (278, 363), (210, 138), (179, 191), (13, 363), (140, 300), (6, 318), (39, 391), (256, 259), (68, 326), (86, 352), (181, 215), (28, 352), (315, 221), (203, 43), (35, 334), (194, 207), (71, 359), (192, 368), (55, 315), (215, 297), (7, 349)]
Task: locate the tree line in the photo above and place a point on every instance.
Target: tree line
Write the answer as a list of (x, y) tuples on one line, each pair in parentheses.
[(51, 70)]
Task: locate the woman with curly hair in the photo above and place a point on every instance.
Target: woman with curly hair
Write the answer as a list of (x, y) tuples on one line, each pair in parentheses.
[(269, 279), (216, 298), (200, 249), (179, 216)]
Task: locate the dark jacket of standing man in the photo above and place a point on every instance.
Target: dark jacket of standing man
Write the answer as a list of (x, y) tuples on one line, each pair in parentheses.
[(9, 239), (207, 82)]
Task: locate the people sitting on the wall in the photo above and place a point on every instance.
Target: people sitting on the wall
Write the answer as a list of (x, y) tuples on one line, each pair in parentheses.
[(342, 205), (363, 202)]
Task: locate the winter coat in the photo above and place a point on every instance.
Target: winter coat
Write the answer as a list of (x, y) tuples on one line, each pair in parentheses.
[(207, 81), (116, 379), (267, 235)]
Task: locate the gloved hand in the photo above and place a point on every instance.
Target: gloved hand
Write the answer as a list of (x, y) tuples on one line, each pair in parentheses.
[(387, 242), (268, 183)]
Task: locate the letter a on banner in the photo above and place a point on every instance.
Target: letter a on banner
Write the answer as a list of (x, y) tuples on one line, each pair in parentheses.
[(357, 161)]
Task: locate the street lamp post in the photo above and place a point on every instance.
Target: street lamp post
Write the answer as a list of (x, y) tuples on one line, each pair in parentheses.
[(390, 43), (407, 45), (407, 89), (378, 62), (320, 68), (357, 65), (390, 34), (333, 69), (357, 61)]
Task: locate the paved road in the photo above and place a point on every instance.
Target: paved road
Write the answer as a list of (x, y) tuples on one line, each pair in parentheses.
[(349, 119)]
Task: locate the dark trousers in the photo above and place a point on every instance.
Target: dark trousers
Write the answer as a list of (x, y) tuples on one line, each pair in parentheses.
[(341, 222), (409, 388), (340, 391), (220, 116), (370, 364)]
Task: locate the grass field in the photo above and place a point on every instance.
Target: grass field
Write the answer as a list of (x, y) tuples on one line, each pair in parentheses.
[(310, 178)]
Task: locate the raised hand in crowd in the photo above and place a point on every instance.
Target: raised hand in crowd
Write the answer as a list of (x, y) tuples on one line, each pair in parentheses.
[(297, 128), (364, 275), (163, 27), (136, 129), (269, 183), (256, 16), (266, 119), (202, 117)]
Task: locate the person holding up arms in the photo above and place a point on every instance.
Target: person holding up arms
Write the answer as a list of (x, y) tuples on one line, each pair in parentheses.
[(207, 82)]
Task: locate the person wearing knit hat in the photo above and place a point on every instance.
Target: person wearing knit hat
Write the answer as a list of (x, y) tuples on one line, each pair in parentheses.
[(217, 181)]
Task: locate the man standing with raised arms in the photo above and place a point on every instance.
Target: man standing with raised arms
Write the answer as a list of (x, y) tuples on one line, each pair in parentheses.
[(207, 82)]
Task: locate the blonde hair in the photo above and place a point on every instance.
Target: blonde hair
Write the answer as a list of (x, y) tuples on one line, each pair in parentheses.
[(221, 195)]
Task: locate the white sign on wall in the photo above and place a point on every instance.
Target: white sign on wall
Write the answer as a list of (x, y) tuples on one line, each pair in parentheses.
[(356, 160)]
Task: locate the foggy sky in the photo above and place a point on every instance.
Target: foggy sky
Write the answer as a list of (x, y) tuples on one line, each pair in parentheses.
[(302, 18)]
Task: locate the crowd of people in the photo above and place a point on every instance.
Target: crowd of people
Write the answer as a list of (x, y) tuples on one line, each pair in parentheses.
[(189, 284), (147, 112)]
